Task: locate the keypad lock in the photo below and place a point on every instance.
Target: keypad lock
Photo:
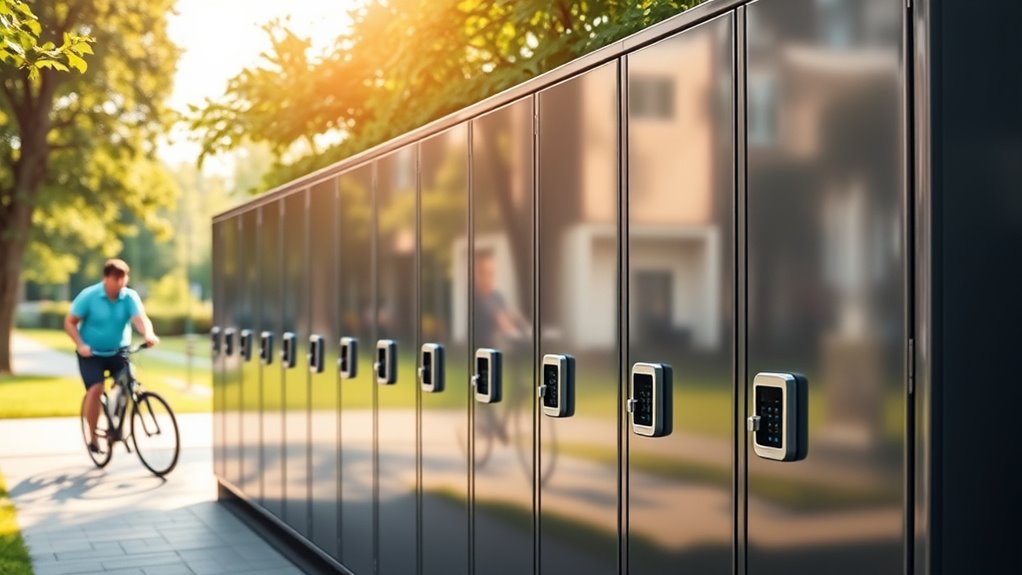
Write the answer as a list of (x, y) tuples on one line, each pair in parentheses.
[(486, 379), (347, 363), (650, 399), (214, 337), (315, 354), (557, 391), (266, 347), (229, 341), (288, 345), (431, 367), (779, 423), (386, 362), (245, 344)]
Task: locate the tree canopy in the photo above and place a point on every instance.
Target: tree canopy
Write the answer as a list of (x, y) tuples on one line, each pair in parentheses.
[(402, 64), (77, 165), (19, 43)]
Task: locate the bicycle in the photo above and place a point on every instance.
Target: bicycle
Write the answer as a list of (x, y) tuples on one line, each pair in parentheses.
[(153, 429)]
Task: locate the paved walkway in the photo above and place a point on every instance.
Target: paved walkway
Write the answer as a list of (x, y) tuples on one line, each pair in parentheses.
[(33, 358), (121, 520)]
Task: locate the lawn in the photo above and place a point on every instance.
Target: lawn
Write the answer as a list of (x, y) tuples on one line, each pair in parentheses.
[(45, 396), (14, 558)]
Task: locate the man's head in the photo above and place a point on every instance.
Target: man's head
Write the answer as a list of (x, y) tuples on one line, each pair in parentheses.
[(115, 275), (485, 271)]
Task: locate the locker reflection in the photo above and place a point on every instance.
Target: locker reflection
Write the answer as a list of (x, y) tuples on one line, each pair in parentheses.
[(271, 284), (249, 396), (826, 287), (322, 276), (396, 482), (295, 299), (443, 250), (501, 292), (356, 302), (578, 316), (681, 296)]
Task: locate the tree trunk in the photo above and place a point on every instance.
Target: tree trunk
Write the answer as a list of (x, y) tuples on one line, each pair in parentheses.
[(13, 241), (16, 217)]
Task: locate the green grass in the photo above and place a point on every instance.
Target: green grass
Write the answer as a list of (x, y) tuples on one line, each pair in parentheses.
[(45, 396), (14, 558)]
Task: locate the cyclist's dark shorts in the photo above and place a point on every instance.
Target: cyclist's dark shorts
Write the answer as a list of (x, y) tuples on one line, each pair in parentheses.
[(92, 368)]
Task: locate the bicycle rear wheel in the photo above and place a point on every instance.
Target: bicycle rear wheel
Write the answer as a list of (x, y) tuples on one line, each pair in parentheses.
[(154, 433), (102, 431)]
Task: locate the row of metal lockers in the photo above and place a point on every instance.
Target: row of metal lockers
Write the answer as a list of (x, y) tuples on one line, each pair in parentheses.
[(650, 319)]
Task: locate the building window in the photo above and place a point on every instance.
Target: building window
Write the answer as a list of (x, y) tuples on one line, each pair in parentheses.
[(651, 97), (763, 112)]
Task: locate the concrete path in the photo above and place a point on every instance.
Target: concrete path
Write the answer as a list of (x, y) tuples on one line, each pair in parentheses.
[(122, 520), (33, 358)]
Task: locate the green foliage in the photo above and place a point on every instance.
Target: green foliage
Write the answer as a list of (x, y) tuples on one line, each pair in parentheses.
[(20, 31), (402, 64), (76, 150)]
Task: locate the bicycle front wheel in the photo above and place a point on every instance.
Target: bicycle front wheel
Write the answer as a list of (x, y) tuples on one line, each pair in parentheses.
[(154, 434), (106, 448)]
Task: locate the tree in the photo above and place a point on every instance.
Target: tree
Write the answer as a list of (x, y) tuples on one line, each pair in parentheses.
[(76, 150), (402, 64), (19, 43)]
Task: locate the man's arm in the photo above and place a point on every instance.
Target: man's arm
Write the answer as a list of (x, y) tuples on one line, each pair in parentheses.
[(71, 322), (145, 327)]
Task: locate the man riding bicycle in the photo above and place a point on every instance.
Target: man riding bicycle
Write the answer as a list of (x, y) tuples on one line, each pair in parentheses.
[(98, 323)]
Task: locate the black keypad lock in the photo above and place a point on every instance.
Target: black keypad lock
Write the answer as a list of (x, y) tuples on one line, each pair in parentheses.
[(266, 347), (288, 349), (486, 379), (229, 342), (214, 336), (779, 422), (386, 362), (246, 344), (347, 362), (650, 403), (431, 367), (316, 354), (557, 390)]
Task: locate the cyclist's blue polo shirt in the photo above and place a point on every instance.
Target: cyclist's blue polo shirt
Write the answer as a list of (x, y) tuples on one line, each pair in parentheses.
[(105, 325)]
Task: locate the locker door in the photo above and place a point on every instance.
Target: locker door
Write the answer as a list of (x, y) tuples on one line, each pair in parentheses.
[(271, 304), (826, 283), (232, 360), (502, 318), (219, 313), (324, 463), (248, 400), (296, 373), (578, 316), (355, 297), (681, 299), (396, 401), (443, 428)]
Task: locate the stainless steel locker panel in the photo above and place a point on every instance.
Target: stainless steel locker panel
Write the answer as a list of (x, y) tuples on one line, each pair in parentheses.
[(355, 298), (502, 318), (578, 316), (324, 460), (681, 189), (826, 280), (219, 314), (396, 403), (248, 401), (232, 363), (271, 278), (296, 379), (443, 263)]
